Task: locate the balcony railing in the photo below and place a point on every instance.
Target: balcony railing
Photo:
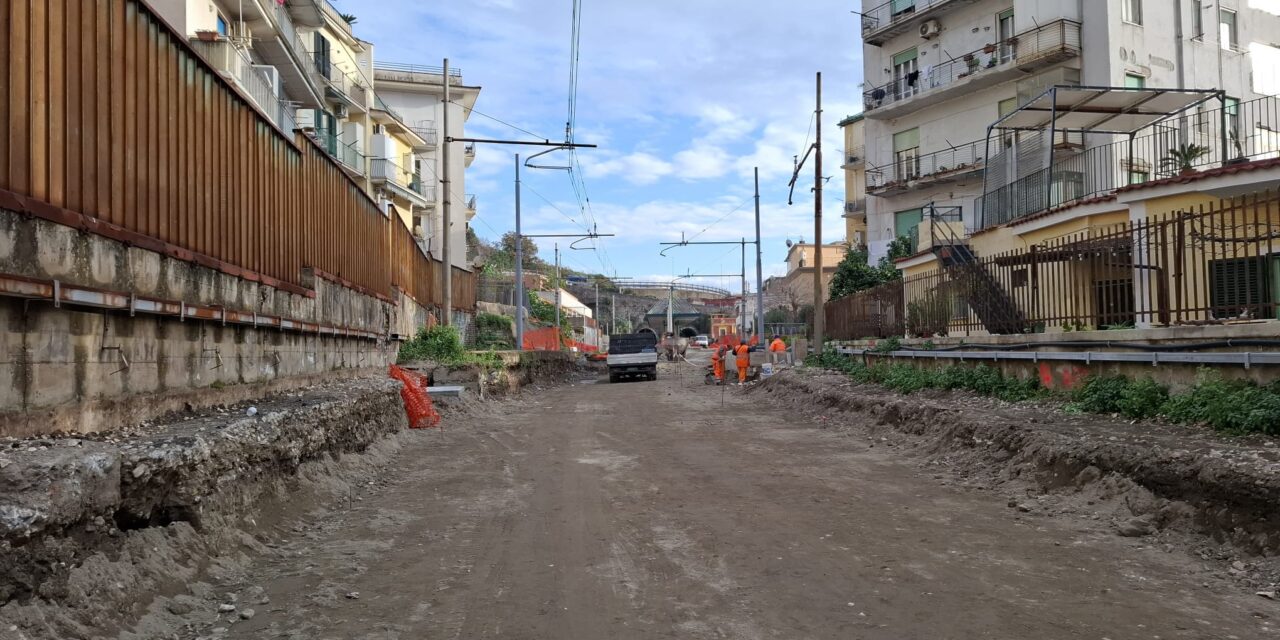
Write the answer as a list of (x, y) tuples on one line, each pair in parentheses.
[(939, 165), (385, 170), (469, 149), (426, 129), (854, 156), (454, 72), (857, 206), (895, 12), (234, 62), (471, 202), (1042, 45), (350, 157), (1252, 133)]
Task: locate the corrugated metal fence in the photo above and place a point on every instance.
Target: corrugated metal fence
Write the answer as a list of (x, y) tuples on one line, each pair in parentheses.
[(110, 114)]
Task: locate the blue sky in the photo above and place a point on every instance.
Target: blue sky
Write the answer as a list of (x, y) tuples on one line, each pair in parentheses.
[(683, 97)]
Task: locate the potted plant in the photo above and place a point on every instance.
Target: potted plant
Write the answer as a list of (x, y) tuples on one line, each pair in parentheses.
[(1012, 41), (206, 35), (990, 48), (1182, 159)]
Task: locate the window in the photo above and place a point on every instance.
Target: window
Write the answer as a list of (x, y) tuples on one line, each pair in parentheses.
[(1004, 31), (906, 154), (899, 7), (1131, 11), (905, 223), (1006, 107), (224, 28), (1197, 19), (1132, 81), (1202, 120), (906, 74), (1240, 286), (1227, 36), (1138, 177), (322, 54)]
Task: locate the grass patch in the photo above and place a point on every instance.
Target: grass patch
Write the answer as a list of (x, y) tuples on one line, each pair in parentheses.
[(443, 344), (1226, 405)]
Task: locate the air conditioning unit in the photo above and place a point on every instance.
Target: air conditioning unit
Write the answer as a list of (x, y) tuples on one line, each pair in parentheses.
[(930, 29), (340, 112)]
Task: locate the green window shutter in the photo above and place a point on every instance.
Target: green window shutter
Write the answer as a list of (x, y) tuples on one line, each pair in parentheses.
[(1006, 107), (1134, 82), (908, 139), (904, 57)]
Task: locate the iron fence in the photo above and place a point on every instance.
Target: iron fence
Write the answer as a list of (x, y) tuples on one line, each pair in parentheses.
[(874, 313), (960, 159), (1200, 265)]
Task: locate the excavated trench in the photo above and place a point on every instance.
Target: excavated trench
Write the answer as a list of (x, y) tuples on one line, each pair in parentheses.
[(1145, 477)]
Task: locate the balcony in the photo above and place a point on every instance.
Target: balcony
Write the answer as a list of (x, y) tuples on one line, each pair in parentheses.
[(398, 180), (415, 73), (352, 161), (341, 86), (235, 65), (991, 65), (308, 13), (426, 129), (956, 164), (469, 152), (900, 16), (471, 206), (856, 208), (286, 52)]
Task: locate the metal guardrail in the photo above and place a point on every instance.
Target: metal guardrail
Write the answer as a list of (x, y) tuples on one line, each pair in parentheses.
[(1060, 37), (961, 158), (1154, 358), (678, 286), (893, 12), (416, 68)]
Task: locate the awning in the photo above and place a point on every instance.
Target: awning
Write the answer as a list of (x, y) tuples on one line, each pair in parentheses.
[(1102, 109)]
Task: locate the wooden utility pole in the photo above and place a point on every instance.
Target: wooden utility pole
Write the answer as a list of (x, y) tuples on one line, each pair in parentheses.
[(819, 316)]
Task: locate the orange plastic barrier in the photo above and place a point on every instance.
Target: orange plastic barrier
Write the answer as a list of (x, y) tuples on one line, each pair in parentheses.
[(417, 403)]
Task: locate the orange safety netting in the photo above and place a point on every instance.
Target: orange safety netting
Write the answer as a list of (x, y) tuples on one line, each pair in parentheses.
[(544, 339), (417, 403)]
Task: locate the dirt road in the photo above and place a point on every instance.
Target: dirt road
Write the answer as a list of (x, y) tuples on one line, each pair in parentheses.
[(645, 510)]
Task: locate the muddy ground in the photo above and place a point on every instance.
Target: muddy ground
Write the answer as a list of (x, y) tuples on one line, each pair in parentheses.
[(672, 509)]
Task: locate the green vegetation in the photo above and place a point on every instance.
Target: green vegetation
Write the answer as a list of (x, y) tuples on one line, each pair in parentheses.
[(854, 273), (906, 378), (545, 313), (1230, 406), (443, 345), (494, 331)]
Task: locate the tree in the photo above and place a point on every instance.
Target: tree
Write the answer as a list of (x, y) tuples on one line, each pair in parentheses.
[(508, 244), (348, 18), (853, 274)]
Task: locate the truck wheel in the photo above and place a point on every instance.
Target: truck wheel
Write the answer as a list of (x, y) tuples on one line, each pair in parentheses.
[(613, 378), (653, 375)]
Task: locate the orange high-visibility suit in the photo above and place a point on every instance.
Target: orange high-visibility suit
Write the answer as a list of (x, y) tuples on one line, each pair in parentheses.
[(777, 346), (743, 351), (717, 363)]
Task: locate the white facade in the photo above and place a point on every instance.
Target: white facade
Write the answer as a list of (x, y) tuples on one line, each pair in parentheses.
[(939, 72), (417, 94)]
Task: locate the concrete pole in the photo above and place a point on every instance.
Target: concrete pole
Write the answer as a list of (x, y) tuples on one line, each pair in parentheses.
[(743, 316), (559, 345), (447, 221), (613, 314), (671, 303), (597, 314), (520, 294), (759, 266), (819, 316)]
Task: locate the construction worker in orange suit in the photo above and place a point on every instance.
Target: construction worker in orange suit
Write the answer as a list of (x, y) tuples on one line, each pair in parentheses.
[(777, 349), (717, 363), (743, 352)]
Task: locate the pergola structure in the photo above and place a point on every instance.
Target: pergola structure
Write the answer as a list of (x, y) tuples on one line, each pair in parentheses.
[(1122, 111)]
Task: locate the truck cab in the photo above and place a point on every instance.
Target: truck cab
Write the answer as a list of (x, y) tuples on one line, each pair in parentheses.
[(633, 355)]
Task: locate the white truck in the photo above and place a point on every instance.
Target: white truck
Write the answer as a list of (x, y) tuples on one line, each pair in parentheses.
[(633, 355)]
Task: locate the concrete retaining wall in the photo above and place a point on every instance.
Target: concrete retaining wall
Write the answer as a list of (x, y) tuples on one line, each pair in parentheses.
[(79, 369)]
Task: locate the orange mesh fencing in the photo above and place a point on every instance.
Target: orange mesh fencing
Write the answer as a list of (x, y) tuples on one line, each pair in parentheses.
[(544, 339), (417, 403)]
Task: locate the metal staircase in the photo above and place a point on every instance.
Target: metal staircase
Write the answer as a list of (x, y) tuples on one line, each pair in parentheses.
[(970, 277)]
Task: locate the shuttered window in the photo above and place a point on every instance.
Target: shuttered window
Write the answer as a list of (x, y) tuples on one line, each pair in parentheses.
[(1240, 286)]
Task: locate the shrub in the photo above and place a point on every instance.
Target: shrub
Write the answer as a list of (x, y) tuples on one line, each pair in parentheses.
[(494, 331), (1227, 406), (1142, 399), (440, 343), (1100, 394)]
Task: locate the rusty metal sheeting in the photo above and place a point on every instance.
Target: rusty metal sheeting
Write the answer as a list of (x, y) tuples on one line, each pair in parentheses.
[(113, 121)]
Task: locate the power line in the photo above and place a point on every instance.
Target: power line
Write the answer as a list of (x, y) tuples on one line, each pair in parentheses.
[(553, 205), (498, 120), (721, 219)]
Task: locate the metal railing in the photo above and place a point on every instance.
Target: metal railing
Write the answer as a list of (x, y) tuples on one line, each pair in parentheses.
[(893, 12), (454, 72), (426, 129), (856, 206), (1202, 264), (235, 62), (1252, 132), (471, 202), (352, 158), (961, 158), (1056, 39), (389, 171), (872, 313), (469, 149)]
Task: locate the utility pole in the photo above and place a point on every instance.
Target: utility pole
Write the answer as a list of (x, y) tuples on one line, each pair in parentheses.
[(447, 222), (759, 267), (819, 315), (613, 313), (520, 295), (558, 336), (597, 315), (744, 316)]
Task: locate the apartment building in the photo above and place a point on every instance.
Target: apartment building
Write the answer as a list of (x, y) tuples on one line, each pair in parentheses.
[(302, 65), (416, 93), (855, 182), (795, 289), (939, 72)]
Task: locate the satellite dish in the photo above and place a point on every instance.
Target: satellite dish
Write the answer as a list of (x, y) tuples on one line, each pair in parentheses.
[(788, 244)]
